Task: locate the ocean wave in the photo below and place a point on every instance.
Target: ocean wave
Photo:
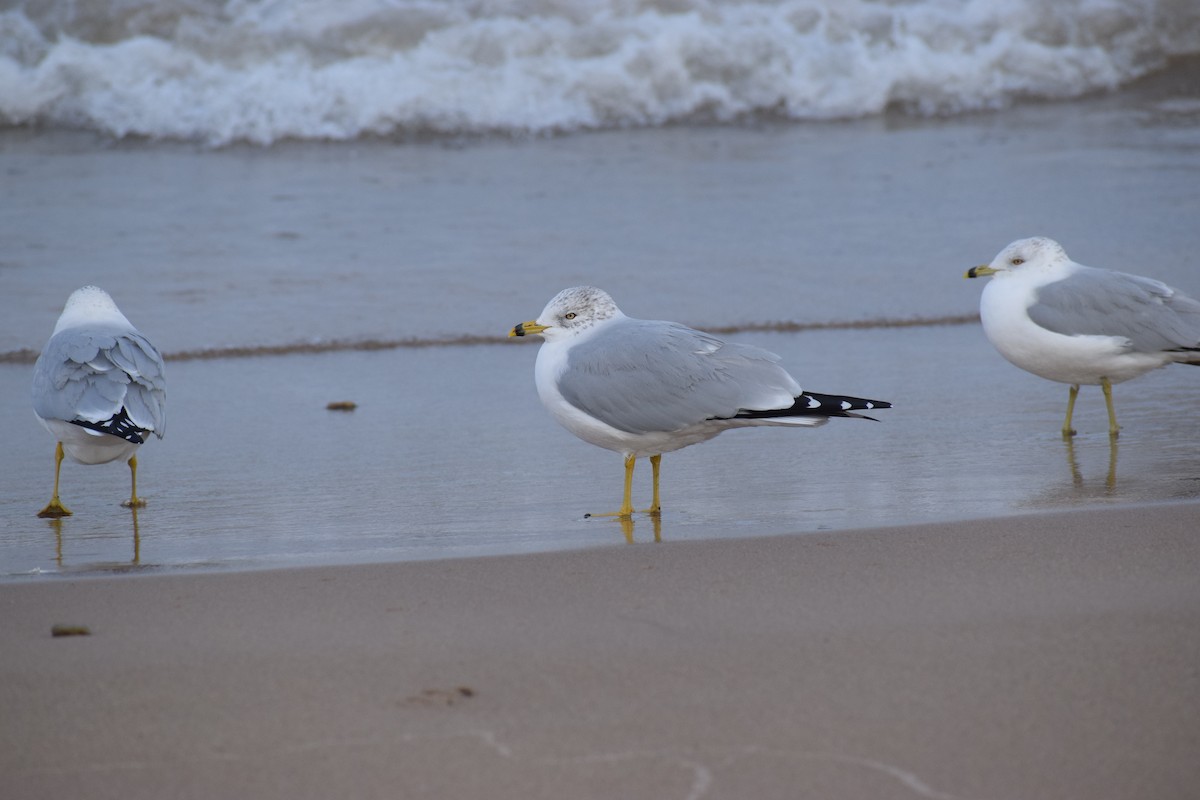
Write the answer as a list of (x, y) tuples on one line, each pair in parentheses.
[(263, 70)]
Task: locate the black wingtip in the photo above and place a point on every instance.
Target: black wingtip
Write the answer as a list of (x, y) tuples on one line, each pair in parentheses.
[(839, 405), (814, 404), (119, 425)]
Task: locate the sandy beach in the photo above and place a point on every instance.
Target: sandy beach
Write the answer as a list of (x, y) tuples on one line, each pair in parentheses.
[(1042, 656)]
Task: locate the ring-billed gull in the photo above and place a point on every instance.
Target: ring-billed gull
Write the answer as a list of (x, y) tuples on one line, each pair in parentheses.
[(98, 387), (1080, 325), (645, 387)]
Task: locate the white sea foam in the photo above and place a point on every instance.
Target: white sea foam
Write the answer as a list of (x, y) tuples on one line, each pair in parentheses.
[(262, 70)]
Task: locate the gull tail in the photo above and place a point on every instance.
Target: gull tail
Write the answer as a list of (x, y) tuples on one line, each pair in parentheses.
[(1188, 355), (119, 425), (812, 404)]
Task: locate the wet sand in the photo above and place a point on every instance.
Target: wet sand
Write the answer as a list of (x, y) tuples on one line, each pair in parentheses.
[(1043, 656)]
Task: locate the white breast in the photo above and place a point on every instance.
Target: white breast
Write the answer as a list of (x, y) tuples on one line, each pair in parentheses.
[(1078, 359)]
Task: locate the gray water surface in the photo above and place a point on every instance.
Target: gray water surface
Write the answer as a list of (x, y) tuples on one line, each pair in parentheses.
[(418, 245)]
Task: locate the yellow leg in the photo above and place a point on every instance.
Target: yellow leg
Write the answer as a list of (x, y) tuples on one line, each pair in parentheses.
[(134, 501), (1067, 430), (627, 505), (1113, 427), (655, 506), (55, 509)]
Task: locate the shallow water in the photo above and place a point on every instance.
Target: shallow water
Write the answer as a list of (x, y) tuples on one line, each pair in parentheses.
[(450, 453)]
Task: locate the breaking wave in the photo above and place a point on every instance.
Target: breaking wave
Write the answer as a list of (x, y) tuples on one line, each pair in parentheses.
[(223, 71)]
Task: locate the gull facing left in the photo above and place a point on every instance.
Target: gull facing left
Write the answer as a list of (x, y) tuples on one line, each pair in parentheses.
[(1079, 325), (99, 388), (647, 387)]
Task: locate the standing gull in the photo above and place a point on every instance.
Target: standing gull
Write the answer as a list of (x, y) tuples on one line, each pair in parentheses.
[(98, 387), (645, 387), (1080, 325)]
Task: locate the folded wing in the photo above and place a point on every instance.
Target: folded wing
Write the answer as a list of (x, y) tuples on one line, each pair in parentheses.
[(98, 376)]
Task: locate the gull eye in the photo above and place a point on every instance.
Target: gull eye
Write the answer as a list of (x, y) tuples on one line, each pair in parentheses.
[(1017, 261), (569, 315)]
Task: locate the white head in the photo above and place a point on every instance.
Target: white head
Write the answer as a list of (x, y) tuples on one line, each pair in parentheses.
[(572, 312), (1025, 255), (90, 305)]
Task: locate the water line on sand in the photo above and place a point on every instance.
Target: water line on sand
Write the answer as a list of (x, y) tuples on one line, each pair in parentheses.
[(28, 356)]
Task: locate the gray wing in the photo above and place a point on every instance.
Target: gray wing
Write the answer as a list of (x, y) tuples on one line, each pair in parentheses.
[(643, 376), (91, 374), (1150, 314)]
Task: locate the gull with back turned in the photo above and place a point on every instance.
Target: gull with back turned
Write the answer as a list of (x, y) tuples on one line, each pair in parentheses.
[(99, 388), (648, 387)]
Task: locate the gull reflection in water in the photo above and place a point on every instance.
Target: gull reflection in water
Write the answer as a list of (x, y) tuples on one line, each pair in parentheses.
[(1110, 480), (627, 526), (56, 525)]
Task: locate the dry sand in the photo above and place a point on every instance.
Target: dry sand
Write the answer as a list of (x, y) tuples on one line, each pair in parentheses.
[(1043, 656)]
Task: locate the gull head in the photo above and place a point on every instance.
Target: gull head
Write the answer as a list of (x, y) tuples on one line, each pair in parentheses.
[(1024, 255), (572, 312), (90, 305)]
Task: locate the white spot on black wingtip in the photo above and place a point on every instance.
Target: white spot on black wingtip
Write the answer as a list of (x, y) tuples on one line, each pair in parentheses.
[(812, 404)]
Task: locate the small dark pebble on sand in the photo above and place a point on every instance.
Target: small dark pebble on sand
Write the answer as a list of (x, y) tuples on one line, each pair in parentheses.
[(70, 630), (441, 697)]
